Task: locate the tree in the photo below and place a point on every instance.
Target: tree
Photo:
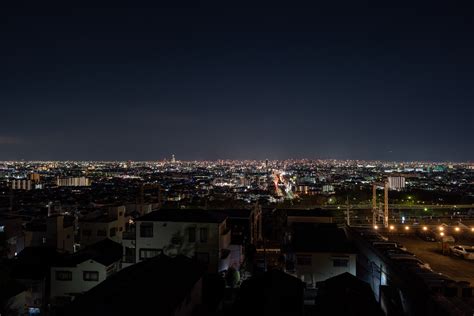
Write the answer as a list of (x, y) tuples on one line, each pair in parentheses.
[(232, 277)]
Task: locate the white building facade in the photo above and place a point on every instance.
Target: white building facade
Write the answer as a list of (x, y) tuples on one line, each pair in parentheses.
[(198, 234)]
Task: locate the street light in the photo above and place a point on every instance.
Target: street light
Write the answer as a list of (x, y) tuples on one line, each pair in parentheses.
[(392, 227), (457, 229), (425, 228), (441, 228), (472, 229), (441, 234), (376, 227), (407, 227)]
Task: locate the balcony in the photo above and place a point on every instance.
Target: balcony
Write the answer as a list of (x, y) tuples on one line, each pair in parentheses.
[(127, 235), (128, 259)]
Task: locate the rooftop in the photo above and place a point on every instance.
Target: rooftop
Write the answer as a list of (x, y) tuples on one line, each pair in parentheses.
[(188, 215), (309, 237), (316, 212), (104, 252), (125, 294)]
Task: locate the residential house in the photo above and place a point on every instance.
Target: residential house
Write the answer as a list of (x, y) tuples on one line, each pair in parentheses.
[(108, 222), (320, 251), (159, 286), (56, 231), (31, 268), (196, 233), (345, 294), (11, 233), (83, 270), (271, 293)]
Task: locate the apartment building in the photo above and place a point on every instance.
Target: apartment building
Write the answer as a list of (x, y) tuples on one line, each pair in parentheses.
[(199, 234)]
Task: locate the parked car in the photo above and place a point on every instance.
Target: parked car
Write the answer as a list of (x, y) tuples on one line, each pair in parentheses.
[(466, 252), (427, 235)]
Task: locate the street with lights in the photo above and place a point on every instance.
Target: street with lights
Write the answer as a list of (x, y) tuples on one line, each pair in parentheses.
[(457, 268)]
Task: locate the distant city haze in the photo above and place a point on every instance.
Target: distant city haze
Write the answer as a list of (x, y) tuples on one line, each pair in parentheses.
[(214, 82)]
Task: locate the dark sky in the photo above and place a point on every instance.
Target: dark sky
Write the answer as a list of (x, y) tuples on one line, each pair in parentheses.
[(353, 80)]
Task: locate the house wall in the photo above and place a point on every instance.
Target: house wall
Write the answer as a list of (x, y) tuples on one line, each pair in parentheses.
[(16, 305), (118, 220), (35, 292), (77, 284), (164, 233), (322, 266)]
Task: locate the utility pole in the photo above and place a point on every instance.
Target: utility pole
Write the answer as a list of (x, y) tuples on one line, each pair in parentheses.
[(374, 204), (385, 212), (348, 218), (11, 199)]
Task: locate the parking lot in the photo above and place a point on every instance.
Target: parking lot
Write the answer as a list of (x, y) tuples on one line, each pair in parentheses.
[(454, 267)]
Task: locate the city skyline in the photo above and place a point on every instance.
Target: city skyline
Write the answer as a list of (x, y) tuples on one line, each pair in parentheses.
[(305, 159), (207, 82)]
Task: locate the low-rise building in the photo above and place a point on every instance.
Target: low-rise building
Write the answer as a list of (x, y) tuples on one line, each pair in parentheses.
[(271, 293), (56, 231), (11, 231), (319, 252), (200, 234), (108, 223), (31, 268), (159, 286), (81, 271)]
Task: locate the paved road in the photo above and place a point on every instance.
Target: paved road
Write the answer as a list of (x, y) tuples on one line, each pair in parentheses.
[(456, 268)]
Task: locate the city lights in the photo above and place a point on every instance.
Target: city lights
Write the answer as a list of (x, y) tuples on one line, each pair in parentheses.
[(254, 160)]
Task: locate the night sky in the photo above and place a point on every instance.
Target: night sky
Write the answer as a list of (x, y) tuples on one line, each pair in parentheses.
[(202, 81)]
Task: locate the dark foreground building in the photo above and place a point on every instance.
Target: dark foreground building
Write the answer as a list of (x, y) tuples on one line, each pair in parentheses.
[(158, 286), (271, 293)]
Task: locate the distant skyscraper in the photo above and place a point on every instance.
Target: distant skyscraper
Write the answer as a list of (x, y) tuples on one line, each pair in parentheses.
[(73, 182), (173, 159), (396, 183), (35, 177), (328, 188), (21, 184)]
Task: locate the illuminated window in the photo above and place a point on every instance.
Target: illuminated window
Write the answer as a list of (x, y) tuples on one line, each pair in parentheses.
[(90, 275)]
